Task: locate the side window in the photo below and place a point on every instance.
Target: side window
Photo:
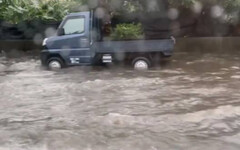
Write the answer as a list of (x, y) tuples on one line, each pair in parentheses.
[(74, 26)]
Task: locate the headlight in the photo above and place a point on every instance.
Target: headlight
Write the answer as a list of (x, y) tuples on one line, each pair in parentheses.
[(44, 41)]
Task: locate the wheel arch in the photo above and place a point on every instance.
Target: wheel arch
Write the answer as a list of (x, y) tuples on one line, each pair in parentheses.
[(56, 55), (149, 55)]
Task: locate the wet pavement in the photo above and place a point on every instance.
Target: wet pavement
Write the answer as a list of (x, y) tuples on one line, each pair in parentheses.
[(192, 103)]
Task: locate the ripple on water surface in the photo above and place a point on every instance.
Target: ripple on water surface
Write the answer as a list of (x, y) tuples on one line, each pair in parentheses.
[(179, 107)]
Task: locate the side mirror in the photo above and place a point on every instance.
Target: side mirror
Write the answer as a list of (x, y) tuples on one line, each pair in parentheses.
[(60, 32)]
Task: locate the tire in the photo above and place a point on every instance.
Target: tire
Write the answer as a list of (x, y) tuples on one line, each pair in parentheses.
[(141, 63), (55, 63)]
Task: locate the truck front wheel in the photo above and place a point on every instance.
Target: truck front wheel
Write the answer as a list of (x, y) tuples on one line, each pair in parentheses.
[(141, 63), (55, 63)]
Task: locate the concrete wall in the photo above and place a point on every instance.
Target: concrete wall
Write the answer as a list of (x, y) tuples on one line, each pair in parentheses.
[(209, 44), (21, 45), (205, 45)]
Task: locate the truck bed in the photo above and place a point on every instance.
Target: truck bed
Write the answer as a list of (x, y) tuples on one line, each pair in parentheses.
[(165, 46)]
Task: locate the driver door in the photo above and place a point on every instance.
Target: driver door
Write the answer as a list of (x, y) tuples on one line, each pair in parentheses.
[(74, 43)]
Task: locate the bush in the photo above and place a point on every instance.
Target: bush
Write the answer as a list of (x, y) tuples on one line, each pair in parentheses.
[(15, 11), (127, 32)]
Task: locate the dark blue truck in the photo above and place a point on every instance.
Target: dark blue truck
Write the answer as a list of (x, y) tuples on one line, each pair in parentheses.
[(79, 42)]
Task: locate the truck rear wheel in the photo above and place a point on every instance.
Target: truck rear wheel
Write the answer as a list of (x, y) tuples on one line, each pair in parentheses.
[(55, 63), (141, 63)]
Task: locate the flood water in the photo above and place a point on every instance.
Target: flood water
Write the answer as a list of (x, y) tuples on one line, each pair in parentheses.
[(192, 103)]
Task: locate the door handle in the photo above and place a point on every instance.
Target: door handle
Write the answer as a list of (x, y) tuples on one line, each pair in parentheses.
[(84, 42)]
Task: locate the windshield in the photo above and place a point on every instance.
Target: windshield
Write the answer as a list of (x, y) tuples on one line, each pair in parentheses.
[(74, 26)]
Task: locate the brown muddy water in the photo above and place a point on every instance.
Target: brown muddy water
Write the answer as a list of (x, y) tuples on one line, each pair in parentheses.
[(192, 103)]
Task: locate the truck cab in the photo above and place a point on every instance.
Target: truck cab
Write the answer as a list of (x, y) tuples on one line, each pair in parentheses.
[(72, 43)]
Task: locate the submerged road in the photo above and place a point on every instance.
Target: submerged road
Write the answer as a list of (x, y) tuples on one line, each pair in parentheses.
[(192, 103)]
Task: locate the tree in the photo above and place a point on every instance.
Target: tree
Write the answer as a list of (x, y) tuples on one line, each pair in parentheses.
[(146, 11), (15, 11)]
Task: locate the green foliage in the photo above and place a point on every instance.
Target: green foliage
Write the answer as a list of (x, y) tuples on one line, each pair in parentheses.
[(185, 3), (131, 6), (127, 32), (15, 11), (231, 5), (2, 8)]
